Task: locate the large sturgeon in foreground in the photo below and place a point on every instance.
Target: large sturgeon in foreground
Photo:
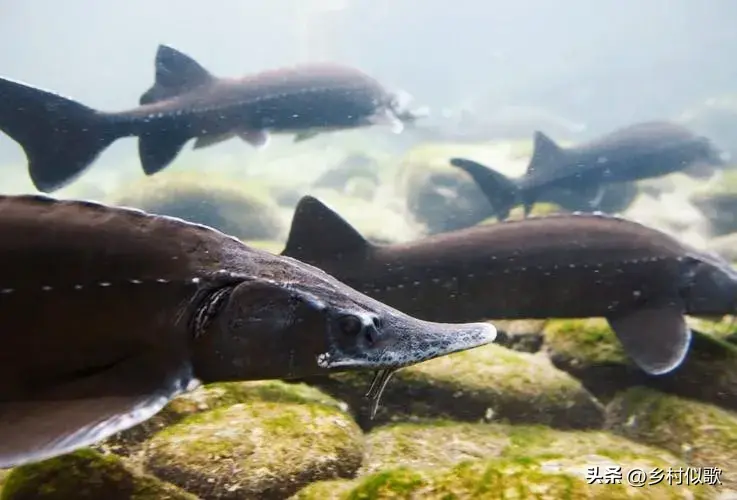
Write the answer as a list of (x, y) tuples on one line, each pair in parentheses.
[(560, 266), (108, 313)]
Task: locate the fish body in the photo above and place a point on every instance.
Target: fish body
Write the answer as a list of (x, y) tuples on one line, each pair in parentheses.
[(561, 266), (62, 137), (640, 151), (108, 313)]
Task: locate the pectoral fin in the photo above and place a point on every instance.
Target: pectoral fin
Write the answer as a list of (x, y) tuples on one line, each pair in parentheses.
[(303, 136), (656, 338), (89, 408), (210, 140), (256, 138)]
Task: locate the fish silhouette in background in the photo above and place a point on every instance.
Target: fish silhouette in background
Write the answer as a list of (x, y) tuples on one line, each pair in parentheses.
[(108, 313), (62, 138), (640, 151), (559, 266)]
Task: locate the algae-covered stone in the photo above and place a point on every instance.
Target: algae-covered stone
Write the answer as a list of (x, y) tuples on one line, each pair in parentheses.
[(520, 335), (438, 444), (82, 475), (487, 383), (705, 435), (589, 350), (241, 209), (3, 476), (440, 196), (718, 202), (511, 478), (325, 490), (265, 448), (450, 460), (208, 397)]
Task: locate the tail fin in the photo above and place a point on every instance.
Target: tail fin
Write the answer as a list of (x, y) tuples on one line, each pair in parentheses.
[(60, 137), (501, 191)]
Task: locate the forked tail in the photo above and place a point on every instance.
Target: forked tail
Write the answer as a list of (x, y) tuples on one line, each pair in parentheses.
[(60, 137), (501, 191)]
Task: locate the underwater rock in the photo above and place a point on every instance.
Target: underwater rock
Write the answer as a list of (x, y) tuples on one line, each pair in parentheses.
[(209, 397), (718, 203), (524, 335), (704, 435), (355, 165), (85, 475), (235, 207), (439, 196), (511, 462), (269, 444), (490, 383), (589, 350)]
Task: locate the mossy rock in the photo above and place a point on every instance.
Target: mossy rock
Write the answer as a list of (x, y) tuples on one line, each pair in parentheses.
[(523, 335), (212, 396), (238, 208), (704, 435), (353, 166), (259, 449), (489, 383), (507, 478), (3, 475), (438, 195), (440, 444), (589, 350), (718, 202), (85, 474)]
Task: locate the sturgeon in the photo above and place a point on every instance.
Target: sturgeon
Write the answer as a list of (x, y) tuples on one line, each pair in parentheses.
[(108, 313)]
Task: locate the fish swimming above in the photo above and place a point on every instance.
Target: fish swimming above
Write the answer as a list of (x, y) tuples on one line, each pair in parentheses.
[(640, 151), (62, 137), (559, 266), (108, 313)]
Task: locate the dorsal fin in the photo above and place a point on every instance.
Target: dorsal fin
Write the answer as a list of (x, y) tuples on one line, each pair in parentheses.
[(545, 153), (318, 233), (176, 73)]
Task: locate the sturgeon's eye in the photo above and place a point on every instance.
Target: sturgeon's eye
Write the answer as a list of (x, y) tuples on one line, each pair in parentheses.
[(350, 325)]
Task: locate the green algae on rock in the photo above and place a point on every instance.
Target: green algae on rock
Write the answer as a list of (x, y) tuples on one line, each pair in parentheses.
[(705, 435), (439, 444), (487, 383), (589, 350), (85, 475), (211, 396), (438, 196), (267, 448), (507, 478), (718, 202), (238, 208)]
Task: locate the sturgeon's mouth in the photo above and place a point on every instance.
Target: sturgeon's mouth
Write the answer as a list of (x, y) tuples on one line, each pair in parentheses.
[(404, 342)]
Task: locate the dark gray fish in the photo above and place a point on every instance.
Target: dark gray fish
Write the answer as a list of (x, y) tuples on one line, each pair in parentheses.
[(562, 266), (640, 151), (62, 137), (108, 313)]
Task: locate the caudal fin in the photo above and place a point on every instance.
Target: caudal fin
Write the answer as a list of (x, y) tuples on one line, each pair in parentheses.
[(501, 191), (60, 137)]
